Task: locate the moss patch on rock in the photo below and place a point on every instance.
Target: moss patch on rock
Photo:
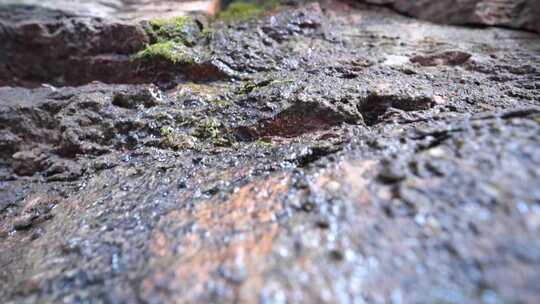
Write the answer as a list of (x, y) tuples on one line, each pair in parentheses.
[(243, 10), (182, 29), (171, 40), (170, 51)]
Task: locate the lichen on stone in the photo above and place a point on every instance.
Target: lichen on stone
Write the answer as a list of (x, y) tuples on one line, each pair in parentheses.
[(173, 139), (195, 135), (213, 131)]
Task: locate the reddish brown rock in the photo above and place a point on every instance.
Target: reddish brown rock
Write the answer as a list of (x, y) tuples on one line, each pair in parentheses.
[(248, 223)]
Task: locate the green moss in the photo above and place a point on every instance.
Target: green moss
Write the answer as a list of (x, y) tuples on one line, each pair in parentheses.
[(180, 29), (170, 51), (171, 40), (178, 22), (241, 11), (247, 9)]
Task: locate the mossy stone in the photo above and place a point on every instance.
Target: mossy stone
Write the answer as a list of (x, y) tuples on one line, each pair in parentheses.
[(183, 30), (170, 51)]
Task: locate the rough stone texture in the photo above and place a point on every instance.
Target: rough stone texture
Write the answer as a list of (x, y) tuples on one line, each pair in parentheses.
[(340, 161), (127, 10), (77, 43), (520, 14)]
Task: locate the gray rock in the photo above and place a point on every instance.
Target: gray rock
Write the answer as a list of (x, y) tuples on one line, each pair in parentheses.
[(519, 14)]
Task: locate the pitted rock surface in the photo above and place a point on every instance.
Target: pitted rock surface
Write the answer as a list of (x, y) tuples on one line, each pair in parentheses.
[(334, 160)]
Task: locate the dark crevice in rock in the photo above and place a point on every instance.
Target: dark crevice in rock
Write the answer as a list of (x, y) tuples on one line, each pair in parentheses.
[(314, 154), (433, 141), (374, 106), (294, 121)]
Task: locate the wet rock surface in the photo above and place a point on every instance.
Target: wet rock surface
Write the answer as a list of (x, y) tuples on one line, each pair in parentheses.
[(72, 44), (334, 160), (521, 14)]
